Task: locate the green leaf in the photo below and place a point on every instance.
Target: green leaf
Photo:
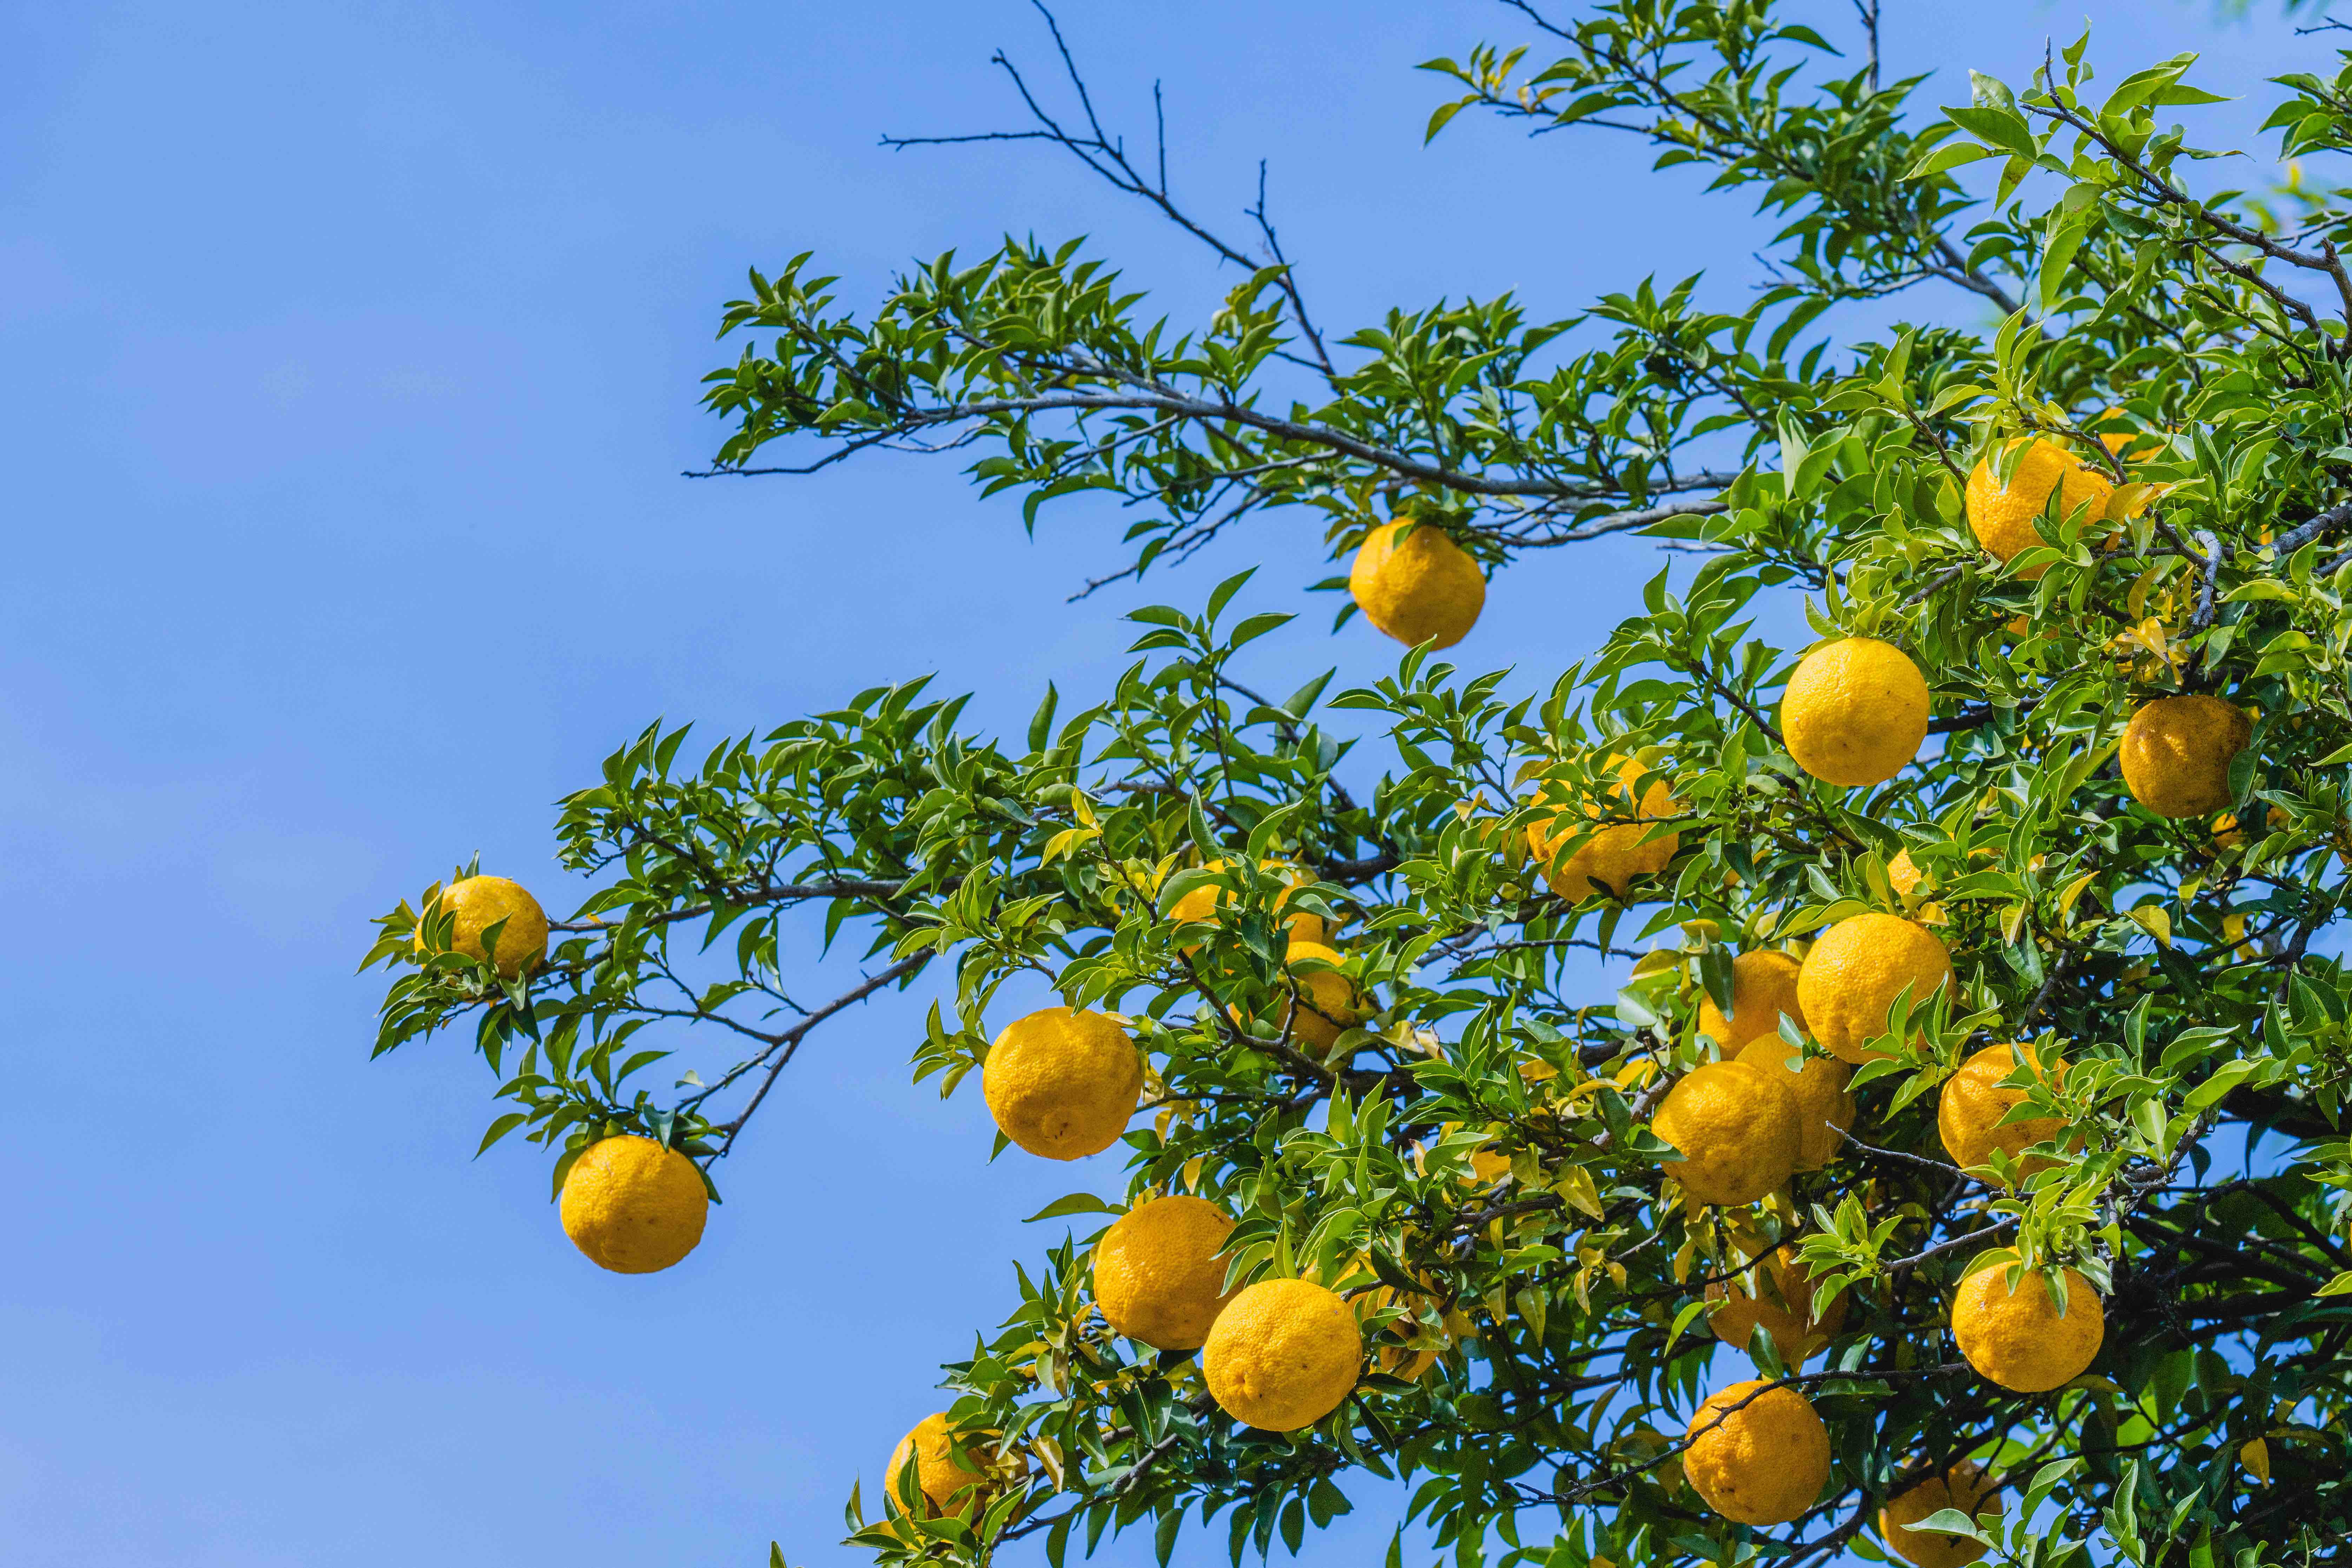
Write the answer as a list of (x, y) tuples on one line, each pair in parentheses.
[(2227, 1077), (1634, 1008), (1991, 92), (1223, 593), (1197, 821), (1952, 1521), (1257, 626), (1077, 1203), (1303, 699), (1717, 974), (499, 1128), (2057, 256), (1041, 723), (1684, 1318), (1947, 157), (2001, 128)]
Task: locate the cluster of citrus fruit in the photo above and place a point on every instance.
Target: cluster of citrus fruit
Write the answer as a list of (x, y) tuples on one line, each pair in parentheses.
[(1853, 714), (630, 1204), (1282, 1353), (1063, 1083)]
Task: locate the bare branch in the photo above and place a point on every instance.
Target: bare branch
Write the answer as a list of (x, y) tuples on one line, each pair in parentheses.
[(1869, 12), (1106, 156), (778, 1056)]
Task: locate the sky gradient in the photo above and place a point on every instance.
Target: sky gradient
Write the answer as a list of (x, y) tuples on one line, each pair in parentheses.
[(349, 355)]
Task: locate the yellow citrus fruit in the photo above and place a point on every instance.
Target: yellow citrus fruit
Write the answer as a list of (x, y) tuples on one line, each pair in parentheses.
[(1334, 1002), (2130, 445), (1612, 857), (634, 1206), (1759, 1462), (1908, 881), (1969, 1113), (2003, 517), (1965, 1486), (1202, 903), (1763, 986), (1062, 1083), (1854, 712), (1823, 1106), (1160, 1271), (2176, 752), (1783, 1302), (1736, 1128), (952, 1476), (2019, 1339), (1487, 1164), (477, 903), (2232, 834), (1854, 973), (1283, 1354), (1423, 589), (1417, 1345)]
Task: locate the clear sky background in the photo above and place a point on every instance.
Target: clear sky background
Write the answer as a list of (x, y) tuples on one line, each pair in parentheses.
[(348, 359)]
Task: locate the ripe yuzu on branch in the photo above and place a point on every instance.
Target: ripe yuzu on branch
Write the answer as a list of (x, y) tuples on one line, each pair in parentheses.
[(1759, 1462), (1965, 1486), (1488, 1164), (1781, 1302), (2177, 751), (2002, 516), (1852, 976), (1763, 986), (2131, 445), (1854, 712), (952, 1476), (634, 1206), (1906, 878), (1611, 858), (1160, 1271), (1825, 1111), (1203, 903), (477, 903), (1062, 1082), (1969, 1109), (1417, 1345), (1283, 1354), (1736, 1128), (1333, 1002), (1422, 588), (2018, 1339), (2230, 833)]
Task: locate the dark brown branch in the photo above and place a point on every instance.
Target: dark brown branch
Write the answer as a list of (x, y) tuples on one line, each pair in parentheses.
[(1106, 156), (846, 887), (2295, 538), (789, 1043), (1146, 394)]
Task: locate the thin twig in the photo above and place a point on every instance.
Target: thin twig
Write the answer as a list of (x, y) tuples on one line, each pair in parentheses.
[(789, 1042)]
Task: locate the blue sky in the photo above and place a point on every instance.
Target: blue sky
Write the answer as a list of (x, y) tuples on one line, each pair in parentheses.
[(348, 357)]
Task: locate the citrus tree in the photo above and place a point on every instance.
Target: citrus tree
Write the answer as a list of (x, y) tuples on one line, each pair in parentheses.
[(1972, 1056)]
